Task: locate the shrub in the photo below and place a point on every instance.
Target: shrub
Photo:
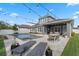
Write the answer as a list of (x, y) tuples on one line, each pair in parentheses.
[(16, 33), (15, 27), (73, 34), (3, 37), (48, 52)]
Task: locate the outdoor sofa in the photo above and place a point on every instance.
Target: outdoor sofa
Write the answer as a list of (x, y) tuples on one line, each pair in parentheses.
[(39, 50), (23, 48)]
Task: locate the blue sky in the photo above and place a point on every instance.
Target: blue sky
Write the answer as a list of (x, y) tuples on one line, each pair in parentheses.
[(19, 14)]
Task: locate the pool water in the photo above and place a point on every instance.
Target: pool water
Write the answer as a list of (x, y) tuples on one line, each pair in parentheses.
[(26, 36)]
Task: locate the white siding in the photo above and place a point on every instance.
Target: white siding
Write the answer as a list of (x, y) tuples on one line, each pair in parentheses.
[(44, 20), (23, 30), (76, 30)]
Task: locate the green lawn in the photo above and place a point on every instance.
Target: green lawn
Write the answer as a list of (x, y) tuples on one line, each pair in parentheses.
[(72, 47), (2, 48)]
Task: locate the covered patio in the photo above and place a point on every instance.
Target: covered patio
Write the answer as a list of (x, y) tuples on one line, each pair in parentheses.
[(63, 27)]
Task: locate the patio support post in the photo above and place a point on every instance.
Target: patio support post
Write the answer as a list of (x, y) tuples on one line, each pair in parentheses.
[(69, 29)]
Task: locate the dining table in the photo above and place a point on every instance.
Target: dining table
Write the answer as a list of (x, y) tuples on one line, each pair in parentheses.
[(54, 36)]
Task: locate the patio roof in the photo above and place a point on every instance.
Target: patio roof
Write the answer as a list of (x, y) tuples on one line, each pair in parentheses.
[(58, 21), (47, 16), (24, 26)]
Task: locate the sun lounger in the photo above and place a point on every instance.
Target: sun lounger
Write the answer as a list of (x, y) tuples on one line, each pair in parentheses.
[(22, 48), (38, 50)]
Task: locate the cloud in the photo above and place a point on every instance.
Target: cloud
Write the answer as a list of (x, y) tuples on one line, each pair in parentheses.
[(14, 14), (5, 13), (51, 10), (75, 17), (1, 9), (76, 13), (11, 22), (72, 4)]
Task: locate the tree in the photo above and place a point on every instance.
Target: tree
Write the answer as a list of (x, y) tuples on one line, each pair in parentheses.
[(15, 27), (4, 26)]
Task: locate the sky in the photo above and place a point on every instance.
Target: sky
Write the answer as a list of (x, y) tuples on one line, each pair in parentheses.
[(18, 13)]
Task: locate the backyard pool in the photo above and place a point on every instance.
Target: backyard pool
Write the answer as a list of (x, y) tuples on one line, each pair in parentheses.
[(26, 36)]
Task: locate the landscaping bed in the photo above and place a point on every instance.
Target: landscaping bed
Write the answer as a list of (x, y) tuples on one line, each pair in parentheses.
[(3, 37)]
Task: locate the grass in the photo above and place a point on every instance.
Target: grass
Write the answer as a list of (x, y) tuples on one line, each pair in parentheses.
[(72, 47), (2, 48)]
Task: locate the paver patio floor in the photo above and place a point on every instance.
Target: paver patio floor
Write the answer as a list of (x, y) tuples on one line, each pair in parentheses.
[(56, 46)]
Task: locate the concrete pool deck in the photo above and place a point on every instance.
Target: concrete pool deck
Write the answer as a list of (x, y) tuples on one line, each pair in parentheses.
[(57, 46)]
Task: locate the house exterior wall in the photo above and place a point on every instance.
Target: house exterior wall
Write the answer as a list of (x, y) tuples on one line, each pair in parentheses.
[(61, 26), (23, 30), (40, 29), (34, 30), (46, 19), (55, 28), (76, 30), (58, 28)]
